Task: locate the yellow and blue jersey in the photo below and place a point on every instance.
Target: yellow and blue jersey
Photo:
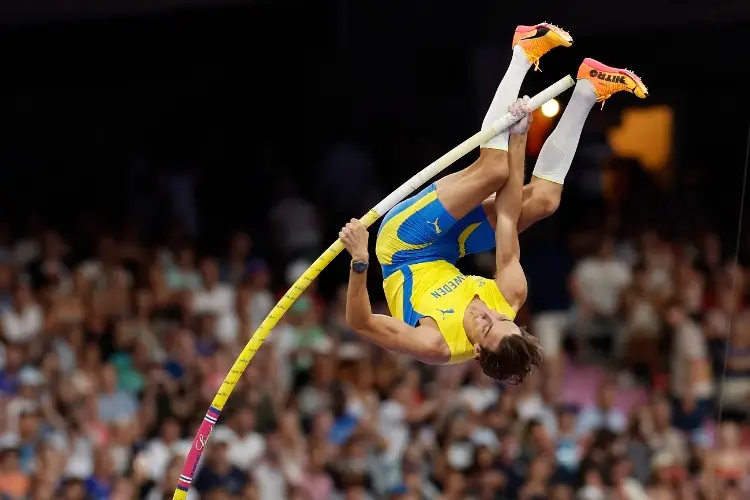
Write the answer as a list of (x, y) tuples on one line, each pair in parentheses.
[(418, 245)]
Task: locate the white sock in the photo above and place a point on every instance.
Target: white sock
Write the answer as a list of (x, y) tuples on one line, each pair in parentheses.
[(560, 147), (506, 93)]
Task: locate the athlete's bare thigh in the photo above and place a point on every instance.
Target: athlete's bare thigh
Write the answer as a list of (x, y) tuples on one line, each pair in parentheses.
[(463, 191)]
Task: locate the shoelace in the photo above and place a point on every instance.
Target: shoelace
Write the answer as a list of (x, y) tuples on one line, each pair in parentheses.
[(535, 62), (601, 98)]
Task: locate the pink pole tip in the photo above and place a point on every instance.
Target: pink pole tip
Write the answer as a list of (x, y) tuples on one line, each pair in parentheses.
[(197, 448)]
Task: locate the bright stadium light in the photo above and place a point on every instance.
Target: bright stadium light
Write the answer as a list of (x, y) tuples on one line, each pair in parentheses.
[(550, 108)]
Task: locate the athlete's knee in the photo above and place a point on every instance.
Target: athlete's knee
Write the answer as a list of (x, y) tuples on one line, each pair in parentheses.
[(549, 202), (494, 166), (546, 196)]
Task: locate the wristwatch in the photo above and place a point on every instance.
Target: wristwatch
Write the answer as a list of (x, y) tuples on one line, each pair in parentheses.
[(360, 266)]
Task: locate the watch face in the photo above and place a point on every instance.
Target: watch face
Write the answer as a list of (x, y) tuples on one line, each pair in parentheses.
[(359, 266)]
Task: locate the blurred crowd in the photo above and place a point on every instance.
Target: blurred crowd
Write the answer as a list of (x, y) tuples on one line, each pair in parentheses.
[(112, 350)]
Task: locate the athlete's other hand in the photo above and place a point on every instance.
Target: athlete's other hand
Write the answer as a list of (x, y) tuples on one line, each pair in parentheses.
[(354, 236), (521, 108)]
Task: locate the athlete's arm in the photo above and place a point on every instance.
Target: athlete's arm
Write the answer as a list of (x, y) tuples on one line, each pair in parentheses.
[(510, 278), (385, 331)]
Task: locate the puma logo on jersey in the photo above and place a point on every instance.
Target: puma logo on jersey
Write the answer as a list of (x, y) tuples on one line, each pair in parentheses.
[(435, 225), (446, 311)]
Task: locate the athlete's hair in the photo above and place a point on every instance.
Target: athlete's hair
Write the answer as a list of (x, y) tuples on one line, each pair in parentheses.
[(514, 359)]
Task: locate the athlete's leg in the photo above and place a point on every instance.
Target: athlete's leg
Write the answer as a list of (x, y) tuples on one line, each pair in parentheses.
[(462, 192), (541, 197)]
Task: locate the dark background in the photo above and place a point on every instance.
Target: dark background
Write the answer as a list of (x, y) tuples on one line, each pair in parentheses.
[(243, 92)]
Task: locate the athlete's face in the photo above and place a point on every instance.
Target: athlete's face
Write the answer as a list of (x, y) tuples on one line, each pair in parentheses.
[(490, 328)]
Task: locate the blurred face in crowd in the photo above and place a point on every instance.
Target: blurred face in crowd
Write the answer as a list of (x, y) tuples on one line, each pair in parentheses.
[(484, 458), (241, 245), (566, 421), (491, 482), (620, 471), (107, 249), (741, 334), (207, 326), (540, 438), (495, 419), (123, 490), (217, 494), (108, 379), (607, 249), (259, 278), (29, 389), (455, 482), (104, 465), (273, 447), (662, 414), (170, 430), (364, 376), (251, 491), (172, 473), (28, 424), (729, 436), (9, 460), (317, 460), (355, 493), (22, 296), (355, 453), (289, 425), (74, 490), (606, 397), (322, 424), (675, 315), (561, 492), (210, 272), (144, 301), (218, 455), (244, 420), (13, 358), (324, 369), (6, 278), (413, 482), (52, 246), (186, 258)]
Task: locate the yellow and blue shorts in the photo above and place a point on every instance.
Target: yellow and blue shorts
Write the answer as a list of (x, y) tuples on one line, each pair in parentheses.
[(420, 230)]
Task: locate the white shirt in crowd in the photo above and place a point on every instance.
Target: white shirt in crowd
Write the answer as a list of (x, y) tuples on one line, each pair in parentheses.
[(271, 481), (260, 305), (158, 454), (219, 300), (689, 346), (244, 451), (392, 424), (602, 283), (480, 398), (20, 327), (296, 221)]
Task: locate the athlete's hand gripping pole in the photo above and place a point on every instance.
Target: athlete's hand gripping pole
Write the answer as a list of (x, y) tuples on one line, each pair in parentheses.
[(299, 286)]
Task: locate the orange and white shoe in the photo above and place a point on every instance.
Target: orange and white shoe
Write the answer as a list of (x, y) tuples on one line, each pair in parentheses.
[(540, 39), (607, 80)]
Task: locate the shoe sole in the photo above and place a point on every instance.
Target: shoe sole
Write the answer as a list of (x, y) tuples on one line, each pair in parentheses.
[(564, 36)]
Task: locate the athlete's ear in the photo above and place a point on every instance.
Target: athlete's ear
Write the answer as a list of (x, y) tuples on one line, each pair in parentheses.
[(477, 350)]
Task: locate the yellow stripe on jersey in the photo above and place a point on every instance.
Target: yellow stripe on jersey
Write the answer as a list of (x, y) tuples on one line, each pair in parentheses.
[(385, 248), (465, 236)]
